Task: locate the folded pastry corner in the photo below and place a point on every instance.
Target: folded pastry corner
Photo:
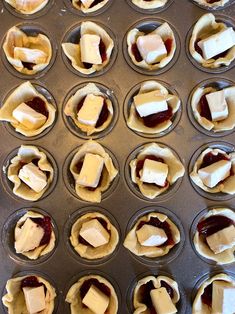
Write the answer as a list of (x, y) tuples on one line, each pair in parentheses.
[(27, 6)]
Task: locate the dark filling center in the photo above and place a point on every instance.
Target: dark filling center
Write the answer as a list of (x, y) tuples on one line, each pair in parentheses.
[(103, 55), (32, 282), (204, 109), (88, 283), (213, 224), (210, 159), (38, 105), (28, 65), (45, 224), (103, 114), (145, 297), (207, 295), (93, 4), (140, 165), (154, 221), (154, 119), (199, 50), (103, 223), (135, 51), (79, 167), (212, 1)]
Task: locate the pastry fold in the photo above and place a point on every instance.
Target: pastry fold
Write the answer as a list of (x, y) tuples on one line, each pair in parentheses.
[(153, 4), (92, 8), (28, 6)]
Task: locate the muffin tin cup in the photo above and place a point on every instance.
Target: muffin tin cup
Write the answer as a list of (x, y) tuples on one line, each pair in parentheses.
[(35, 15), (193, 231), (8, 185), (172, 189), (70, 182), (72, 126), (218, 83), (174, 251), (231, 2), (147, 26), (180, 305), (8, 237), (129, 100), (30, 29), (67, 232), (68, 4), (73, 35), (228, 148), (150, 11), (40, 274), (42, 90), (84, 273), (219, 18)]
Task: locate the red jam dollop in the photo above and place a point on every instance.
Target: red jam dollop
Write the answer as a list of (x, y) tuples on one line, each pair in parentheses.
[(45, 224), (31, 281), (155, 119), (204, 109), (38, 105)]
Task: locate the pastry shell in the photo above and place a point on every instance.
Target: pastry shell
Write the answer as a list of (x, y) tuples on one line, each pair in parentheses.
[(146, 5), (135, 122), (227, 186), (27, 153), (14, 298), (198, 305), (213, 5), (27, 6), (73, 296), (131, 241), (165, 31), (215, 126), (109, 172), (72, 51), (205, 27), (23, 93), (70, 109), (42, 249), (79, 6), (175, 169), (203, 248), (141, 308), (88, 251)]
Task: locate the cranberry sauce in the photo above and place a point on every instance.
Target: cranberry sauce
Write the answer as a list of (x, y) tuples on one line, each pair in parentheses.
[(103, 223), (93, 281), (154, 221), (103, 54), (213, 224), (45, 224), (168, 44), (136, 53), (28, 65), (103, 114), (199, 50), (31, 281), (38, 105), (207, 295), (153, 120), (204, 109), (210, 159)]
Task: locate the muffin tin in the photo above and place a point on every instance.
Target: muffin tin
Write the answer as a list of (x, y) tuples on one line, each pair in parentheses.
[(120, 203)]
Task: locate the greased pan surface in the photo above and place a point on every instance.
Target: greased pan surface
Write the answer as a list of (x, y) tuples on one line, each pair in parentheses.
[(121, 202)]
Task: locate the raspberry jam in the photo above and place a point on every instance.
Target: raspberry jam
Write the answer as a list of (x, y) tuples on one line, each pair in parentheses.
[(45, 224), (155, 119), (99, 285), (103, 223), (103, 114), (136, 53), (103, 55), (31, 281), (204, 109), (212, 1), (210, 159), (168, 44), (28, 65), (154, 221), (38, 105)]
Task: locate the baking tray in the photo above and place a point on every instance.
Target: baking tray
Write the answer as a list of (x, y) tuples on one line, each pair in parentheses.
[(122, 204)]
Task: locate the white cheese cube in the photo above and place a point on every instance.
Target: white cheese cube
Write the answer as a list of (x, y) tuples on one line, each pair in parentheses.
[(91, 109), (217, 105), (151, 48), (35, 299), (87, 3), (33, 177), (222, 240), (217, 43), (29, 237), (90, 52), (149, 235), (29, 117), (94, 233), (96, 300), (35, 56), (90, 173), (216, 172), (162, 301), (223, 298), (150, 103), (154, 172)]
